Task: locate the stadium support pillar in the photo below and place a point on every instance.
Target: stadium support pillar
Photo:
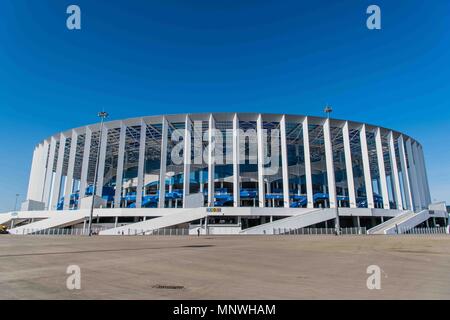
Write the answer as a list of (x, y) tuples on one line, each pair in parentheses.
[(37, 173), (41, 171), (35, 180), (348, 165), (309, 190), (102, 158), (211, 159), (405, 173), (366, 166), (284, 162), (44, 169), (33, 173), (236, 184), (420, 175), (187, 159), (58, 174), (69, 180), (141, 173), (162, 173), (427, 186), (382, 169), (120, 164), (260, 139), (396, 180), (329, 164), (85, 164), (49, 173), (413, 176), (418, 172)]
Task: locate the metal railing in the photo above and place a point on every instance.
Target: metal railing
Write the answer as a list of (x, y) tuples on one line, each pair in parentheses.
[(434, 230), (155, 232), (60, 231), (319, 231)]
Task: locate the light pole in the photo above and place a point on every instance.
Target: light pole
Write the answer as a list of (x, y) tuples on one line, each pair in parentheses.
[(102, 115), (15, 203), (328, 111)]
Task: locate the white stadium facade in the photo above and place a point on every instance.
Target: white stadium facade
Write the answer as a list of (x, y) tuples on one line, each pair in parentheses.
[(226, 173)]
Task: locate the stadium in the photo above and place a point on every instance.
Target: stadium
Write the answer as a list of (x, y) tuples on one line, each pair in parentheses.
[(226, 173)]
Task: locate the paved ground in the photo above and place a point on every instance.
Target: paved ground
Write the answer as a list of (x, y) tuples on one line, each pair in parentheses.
[(228, 267)]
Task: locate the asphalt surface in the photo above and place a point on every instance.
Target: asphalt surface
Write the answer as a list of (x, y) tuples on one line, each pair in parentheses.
[(225, 267)]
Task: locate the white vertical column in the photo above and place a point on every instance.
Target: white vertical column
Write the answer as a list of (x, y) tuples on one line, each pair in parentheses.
[(236, 162), (211, 160), (120, 165), (162, 174), (33, 174), (36, 189), (49, 173), (309, 190), (45, 151), (419, 175), (396, 181), (413, 176), (141, 173), (329, 163), (284, 162), (366, 166), (260, 139), (101, 164), (187, 159), (405, 174), (42, 170), (424, 168), (381, 169), (58, 174), (424, 176), (70, 169), (348, 165), (85, 164)]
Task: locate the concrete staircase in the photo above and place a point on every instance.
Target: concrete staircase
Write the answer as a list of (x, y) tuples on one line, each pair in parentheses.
[(400, 223), (145, 227), (59, 220), (297, 221), (5, 218)]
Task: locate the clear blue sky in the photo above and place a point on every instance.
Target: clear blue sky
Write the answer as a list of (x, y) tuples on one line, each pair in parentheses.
[(137, 58)]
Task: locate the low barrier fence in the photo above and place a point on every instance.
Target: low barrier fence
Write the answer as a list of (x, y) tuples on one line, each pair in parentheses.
[(434, 230), (185, 232), (62, 231), (160, 232), (319, 231)]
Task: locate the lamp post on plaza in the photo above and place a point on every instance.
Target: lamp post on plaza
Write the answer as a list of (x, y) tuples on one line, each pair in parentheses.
[(102, 115), (15, 203), (328, 111)]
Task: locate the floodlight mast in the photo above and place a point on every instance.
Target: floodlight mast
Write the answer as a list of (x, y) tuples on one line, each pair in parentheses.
[(15, 203), (102, 115), (337, 226)]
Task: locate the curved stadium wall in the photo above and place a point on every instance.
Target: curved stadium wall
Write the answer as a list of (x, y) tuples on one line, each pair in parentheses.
[(232, 160)]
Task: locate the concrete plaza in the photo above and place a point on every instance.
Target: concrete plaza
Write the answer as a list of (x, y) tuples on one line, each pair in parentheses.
[(225, 267)]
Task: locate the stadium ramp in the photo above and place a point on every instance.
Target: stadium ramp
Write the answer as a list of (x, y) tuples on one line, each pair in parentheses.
[(5, 217), (297, 221), (54, 221), (400, 223), (145, 227)]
